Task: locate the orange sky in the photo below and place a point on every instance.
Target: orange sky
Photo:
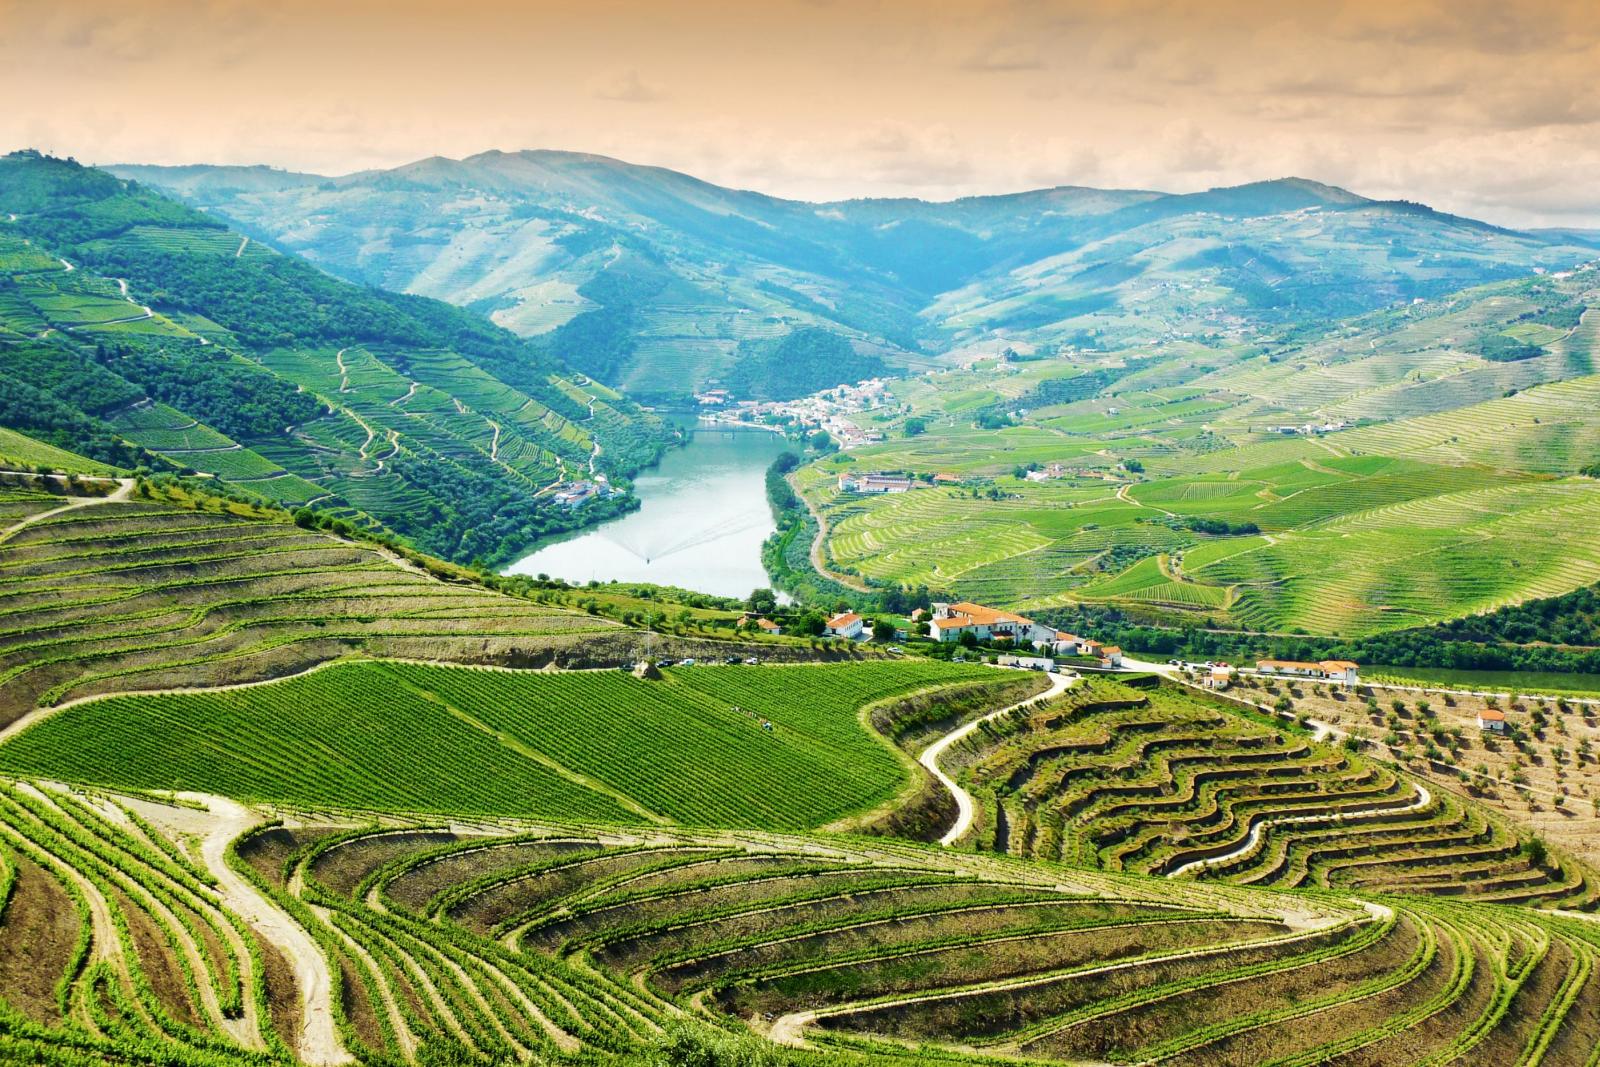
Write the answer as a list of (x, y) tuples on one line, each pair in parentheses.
[(1486, 107)]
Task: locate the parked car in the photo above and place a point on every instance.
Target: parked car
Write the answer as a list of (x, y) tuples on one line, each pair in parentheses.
[(752, 661), (686, 663)]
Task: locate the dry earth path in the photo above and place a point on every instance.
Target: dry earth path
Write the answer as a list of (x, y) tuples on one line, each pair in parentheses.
[(1059, 683)]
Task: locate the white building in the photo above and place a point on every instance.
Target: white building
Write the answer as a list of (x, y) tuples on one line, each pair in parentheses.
[(1492, 719), (950, 621), (874, 483), (1342, 671), (847, 625), (1032, 663)]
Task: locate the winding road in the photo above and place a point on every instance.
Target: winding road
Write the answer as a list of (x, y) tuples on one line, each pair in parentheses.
[(818, 563), (121, 493), (1059, 683), (221, 822)]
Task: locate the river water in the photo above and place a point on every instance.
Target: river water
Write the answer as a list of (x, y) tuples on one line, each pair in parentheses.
[(702, 517)]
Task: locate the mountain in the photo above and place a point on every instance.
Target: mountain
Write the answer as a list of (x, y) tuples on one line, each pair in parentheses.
[(142, 332), (655, 281)]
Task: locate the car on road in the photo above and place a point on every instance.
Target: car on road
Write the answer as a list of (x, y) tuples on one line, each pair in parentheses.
[(686, 663)]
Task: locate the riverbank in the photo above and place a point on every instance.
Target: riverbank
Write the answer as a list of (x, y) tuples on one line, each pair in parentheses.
[(700, 523), (790, 555)]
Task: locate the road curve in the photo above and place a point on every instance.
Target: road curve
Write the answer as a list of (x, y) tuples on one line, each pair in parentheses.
[(930, 756), (222, 821)]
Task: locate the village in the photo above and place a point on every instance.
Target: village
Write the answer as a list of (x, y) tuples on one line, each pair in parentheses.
[(828, 410)]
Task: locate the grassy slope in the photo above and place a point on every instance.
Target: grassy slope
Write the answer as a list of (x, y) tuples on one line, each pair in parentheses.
[(566, 746), (489, 942), (19, 451)]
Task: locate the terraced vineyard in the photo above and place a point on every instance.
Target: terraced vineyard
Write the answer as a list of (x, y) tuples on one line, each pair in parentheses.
[(514, 941), (1175, 784), (531, 866), (103, 594), (1352, 450)]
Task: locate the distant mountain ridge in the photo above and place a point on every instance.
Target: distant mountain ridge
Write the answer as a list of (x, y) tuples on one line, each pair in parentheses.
[(652, 280)]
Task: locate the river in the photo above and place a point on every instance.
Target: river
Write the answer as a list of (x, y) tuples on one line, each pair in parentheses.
[(702, 517)]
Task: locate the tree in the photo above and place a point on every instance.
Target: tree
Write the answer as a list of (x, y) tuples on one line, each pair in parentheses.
[(762, 602), (968, 639), (916, 426), (883, 630)]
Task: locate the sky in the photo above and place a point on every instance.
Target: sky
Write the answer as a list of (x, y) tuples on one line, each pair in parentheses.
[(1489, 108)]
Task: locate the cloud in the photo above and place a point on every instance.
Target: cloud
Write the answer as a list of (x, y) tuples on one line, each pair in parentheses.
[(1003, 59), (922, 157), (625, 86)]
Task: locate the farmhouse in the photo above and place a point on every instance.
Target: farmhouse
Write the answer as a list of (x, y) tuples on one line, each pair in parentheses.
[(1111, 656), (847, 625), (1221, 677), (1334, 670), (1055, 470), (766, 626), (950, 621), (874, 483), (1492, 719)]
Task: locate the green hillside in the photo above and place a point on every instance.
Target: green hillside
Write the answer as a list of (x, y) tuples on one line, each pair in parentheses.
[(491, 940), (1375, 476), (150, 334)]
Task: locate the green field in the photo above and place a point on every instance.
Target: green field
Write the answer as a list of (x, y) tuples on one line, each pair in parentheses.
[(594, 746), (21, 451), (505, 941)]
